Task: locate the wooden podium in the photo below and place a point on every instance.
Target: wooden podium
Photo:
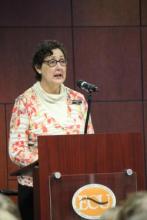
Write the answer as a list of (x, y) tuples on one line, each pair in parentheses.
[(80, 159)]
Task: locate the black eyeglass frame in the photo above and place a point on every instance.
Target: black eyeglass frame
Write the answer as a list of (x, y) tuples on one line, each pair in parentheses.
[(53, 62)]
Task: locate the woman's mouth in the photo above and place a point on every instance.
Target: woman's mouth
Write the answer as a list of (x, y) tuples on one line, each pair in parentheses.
[(59, 75)]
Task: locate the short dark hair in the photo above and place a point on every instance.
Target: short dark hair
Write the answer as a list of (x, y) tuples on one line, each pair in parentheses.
[(43, 50)]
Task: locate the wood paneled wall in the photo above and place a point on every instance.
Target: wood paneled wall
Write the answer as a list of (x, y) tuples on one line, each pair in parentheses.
[(106, 41)]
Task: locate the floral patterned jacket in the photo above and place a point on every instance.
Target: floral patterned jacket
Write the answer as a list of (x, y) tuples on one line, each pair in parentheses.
[(30, 119)]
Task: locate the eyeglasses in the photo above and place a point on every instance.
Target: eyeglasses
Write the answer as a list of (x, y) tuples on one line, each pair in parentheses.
[(53, 62)]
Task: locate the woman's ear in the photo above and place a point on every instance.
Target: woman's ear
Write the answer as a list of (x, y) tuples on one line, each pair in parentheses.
[(38, 69)]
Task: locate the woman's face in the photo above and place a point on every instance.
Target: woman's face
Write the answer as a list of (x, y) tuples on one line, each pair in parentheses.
[(53, 74)]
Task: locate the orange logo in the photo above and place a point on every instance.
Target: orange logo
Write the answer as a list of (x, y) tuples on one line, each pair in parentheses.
[(92, 200)]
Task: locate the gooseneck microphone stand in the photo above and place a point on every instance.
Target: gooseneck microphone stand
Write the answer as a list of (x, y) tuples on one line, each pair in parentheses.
[(89, 101), (89, 88)]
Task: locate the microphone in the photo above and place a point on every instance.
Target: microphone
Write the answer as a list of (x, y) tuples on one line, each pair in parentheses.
[(88, 87)]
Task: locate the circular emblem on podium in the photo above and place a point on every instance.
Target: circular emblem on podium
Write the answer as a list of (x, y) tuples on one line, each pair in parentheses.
[(92, 200)]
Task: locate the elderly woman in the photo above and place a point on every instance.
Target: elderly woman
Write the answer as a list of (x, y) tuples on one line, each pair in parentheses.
[(47, 108)]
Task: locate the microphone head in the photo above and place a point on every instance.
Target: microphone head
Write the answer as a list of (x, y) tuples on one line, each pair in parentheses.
[(79, 82), (88, 87)]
